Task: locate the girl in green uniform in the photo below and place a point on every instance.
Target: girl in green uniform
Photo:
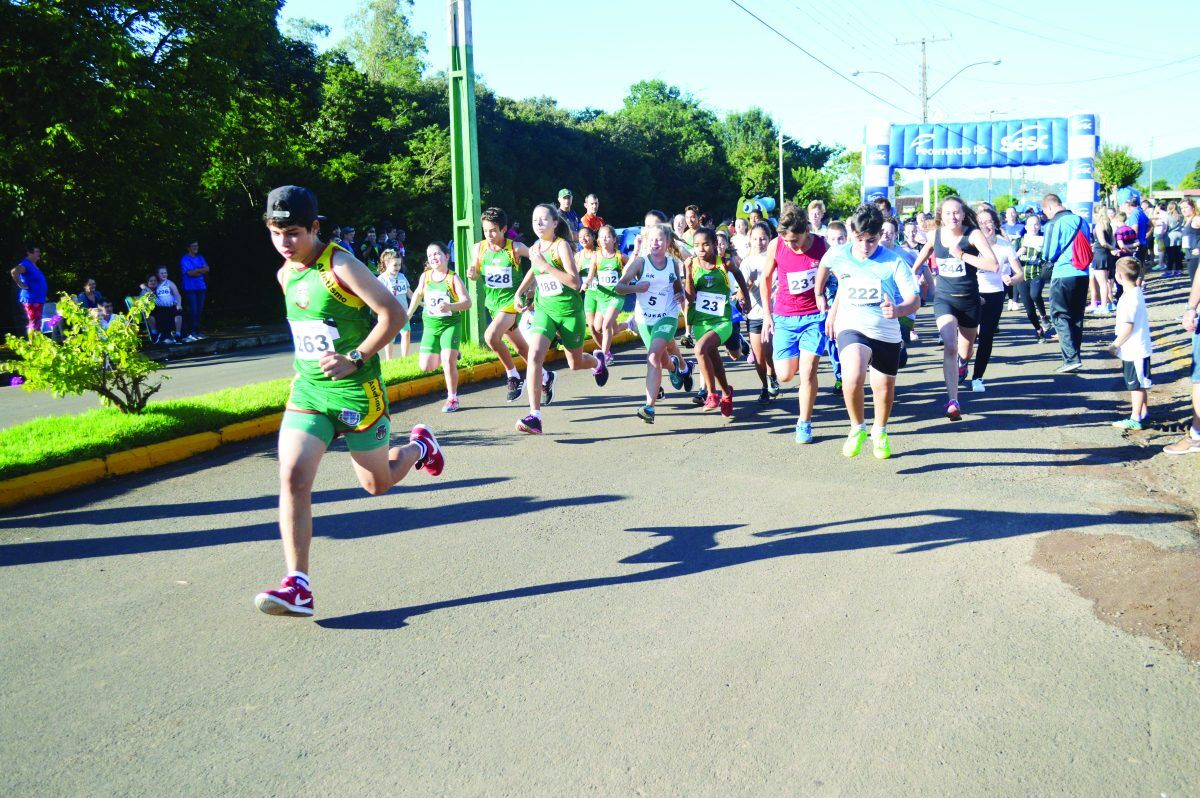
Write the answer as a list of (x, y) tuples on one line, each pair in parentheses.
[(340, 316), (445, 299), (497, 260), (603, 303), (706, 286), (557, 309)]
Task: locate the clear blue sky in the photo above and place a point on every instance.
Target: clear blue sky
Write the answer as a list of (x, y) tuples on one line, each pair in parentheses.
[(1056, 60)]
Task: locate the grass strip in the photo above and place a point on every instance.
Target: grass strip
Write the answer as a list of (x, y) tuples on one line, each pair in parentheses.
[(48, 442)]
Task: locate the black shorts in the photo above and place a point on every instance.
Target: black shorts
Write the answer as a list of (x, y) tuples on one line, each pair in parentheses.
[(755, 326), (164, 318), (1101, 259), (964, 309), (1136, 373), (885, 356)]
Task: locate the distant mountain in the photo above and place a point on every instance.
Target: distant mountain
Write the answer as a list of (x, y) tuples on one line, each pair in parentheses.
[(976, 189), (1171, 168)]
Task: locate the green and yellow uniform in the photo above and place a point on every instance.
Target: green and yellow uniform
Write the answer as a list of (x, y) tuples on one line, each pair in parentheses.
[(711, 309), (325, 316), (558, 309), (441, 324), (603, 295), (500, 271)]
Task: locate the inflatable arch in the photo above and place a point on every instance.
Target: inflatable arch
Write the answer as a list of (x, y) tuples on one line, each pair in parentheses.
[(1038, 141)]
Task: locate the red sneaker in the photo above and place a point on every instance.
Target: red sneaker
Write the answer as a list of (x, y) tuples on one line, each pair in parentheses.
[(711, 402), (434, 461), (289, 599), (727, 404)]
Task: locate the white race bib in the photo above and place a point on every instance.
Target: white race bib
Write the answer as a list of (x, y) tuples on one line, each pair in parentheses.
[(498, 276), (437, 305), (952, 267), (710, 304), (654, 305), (801, 282), (548, 285), (312, 339), (608, 277), (861, 290)]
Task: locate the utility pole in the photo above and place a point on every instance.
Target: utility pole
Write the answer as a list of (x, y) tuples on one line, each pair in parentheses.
[(780, 169), (464, 161), (1152, 168), (925, 95)]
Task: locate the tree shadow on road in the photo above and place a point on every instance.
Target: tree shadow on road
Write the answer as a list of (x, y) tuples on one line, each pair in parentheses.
[(687, 550), (351, 525)]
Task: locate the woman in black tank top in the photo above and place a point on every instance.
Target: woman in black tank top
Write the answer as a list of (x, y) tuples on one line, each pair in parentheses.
[(958, 250)]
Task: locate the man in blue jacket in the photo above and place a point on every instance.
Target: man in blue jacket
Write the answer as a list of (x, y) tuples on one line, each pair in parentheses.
[(1068, 281)]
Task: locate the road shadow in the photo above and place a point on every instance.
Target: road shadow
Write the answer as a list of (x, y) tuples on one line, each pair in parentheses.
[(687, 550), (350, 525)]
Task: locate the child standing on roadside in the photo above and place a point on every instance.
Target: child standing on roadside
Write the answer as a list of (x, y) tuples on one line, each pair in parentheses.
[(395, 281), (1132, 343)]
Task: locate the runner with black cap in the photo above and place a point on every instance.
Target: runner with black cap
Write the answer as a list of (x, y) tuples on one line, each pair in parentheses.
[(330, 298)]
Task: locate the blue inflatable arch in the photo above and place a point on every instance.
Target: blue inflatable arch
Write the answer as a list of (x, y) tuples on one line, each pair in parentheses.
[(972, 145)]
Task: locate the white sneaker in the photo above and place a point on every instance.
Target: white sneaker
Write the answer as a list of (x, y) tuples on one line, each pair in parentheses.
[(977, 385)]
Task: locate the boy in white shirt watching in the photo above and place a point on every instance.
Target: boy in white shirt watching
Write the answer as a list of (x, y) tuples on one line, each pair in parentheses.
[(1132, 343)]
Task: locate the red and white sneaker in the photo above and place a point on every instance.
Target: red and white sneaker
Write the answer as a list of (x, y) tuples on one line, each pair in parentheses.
[(434, 462), (290, 599)]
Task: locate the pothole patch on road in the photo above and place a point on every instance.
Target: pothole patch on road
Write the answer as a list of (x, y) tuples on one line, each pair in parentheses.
[(1134, 585)]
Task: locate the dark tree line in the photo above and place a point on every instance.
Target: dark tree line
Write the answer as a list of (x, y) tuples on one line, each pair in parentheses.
[(128, 129)]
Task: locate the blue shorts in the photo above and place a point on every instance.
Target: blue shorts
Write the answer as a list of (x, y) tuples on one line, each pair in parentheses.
[(1196, 357), (793, 333)]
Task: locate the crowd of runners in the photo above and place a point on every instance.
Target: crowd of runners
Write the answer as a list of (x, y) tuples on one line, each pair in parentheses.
[(800, 290)]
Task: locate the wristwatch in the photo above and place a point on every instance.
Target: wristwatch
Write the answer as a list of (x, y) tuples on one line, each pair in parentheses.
[(355, 357)]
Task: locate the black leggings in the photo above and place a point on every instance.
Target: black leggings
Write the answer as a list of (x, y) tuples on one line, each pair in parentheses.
[(989, 322), (1030, 292)]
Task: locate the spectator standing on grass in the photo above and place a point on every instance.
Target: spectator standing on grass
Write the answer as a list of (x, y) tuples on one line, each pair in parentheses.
[(168, 309), (592, 219), (565, 198), (369, 251), (194, 268), (32, 283), (90, 298), (348, 242)]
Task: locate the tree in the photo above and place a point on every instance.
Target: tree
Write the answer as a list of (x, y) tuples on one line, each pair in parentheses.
[(812, 184), (383, 45), (1115, 168), (90, 358), (1192, 179), (1004, 202), (944, 191)]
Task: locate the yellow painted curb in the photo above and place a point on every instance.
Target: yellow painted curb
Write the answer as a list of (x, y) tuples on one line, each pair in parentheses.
[(53, 480), (255, 427), (143, 458)]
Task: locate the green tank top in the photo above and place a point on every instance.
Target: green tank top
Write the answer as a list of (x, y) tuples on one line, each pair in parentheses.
[(712, 294), (325, 316), (437, 295), (552, 296), (608, 274), (500, 271)]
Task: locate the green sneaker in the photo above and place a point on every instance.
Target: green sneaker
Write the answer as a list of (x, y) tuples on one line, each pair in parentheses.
[(883, 446), (854, 443), (1127, 423)]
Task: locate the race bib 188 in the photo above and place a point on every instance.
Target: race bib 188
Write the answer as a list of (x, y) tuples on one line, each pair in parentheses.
[(548, 285)]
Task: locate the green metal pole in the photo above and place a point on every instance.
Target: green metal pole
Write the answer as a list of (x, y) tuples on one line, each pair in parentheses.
[(464, 162)]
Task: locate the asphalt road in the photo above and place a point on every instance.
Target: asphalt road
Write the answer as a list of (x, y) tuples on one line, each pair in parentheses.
[(694, 607)]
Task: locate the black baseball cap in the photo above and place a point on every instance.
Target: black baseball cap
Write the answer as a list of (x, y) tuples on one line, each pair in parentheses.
[(289, 206)]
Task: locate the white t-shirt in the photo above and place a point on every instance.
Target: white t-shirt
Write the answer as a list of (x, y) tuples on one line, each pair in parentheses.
[(741, 244), (397, 286), (1131, 309), (861, 287), (752, 270), (1006, 256)]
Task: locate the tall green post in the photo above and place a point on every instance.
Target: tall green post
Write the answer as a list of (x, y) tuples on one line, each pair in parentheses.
[(464, 162)]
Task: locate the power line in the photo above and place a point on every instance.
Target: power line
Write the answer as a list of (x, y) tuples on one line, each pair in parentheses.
[(1183, 60), (1106, 52), (783, 36)]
